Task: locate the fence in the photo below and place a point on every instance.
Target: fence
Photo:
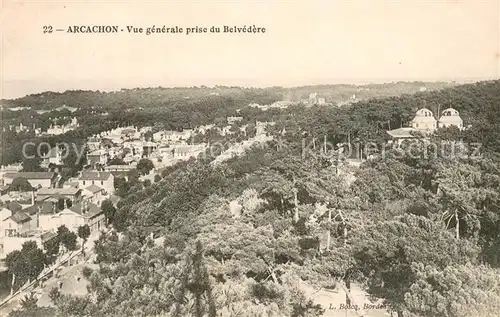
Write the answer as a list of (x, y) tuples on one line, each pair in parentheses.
[(43, 274)]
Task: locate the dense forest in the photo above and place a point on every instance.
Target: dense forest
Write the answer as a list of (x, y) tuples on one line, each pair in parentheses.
[(174, 113), (242, 238), (153, 97), (341, 93)]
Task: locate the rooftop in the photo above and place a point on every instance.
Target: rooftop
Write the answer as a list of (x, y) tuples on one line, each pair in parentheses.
[(94, 189), (401, 133), (46, 236), (184, 149), (20, 217), (120, 167), (97, 153), (14, 206), (170, 132), (31, 175), (71, 184), (42, 207), (61, 191), (52, 197), (95, 175), (47, 208), (128, 130), (31, 210), (86, 209)]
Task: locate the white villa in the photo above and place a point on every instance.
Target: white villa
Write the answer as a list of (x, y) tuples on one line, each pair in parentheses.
[(450, 117), (425, 122)]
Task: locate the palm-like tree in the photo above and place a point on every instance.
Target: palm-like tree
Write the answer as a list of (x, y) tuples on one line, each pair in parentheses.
[(457, 191), (29, 302), (454, 211), (330, 189)]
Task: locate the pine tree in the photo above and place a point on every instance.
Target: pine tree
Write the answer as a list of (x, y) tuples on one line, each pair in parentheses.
[(196, 281)]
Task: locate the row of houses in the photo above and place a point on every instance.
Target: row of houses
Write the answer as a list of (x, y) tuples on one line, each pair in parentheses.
[(46, 216), (172, 136), (48, 180), (282, 104), (162, 147), (52, 130), (39, 206), (132, 144), (61, 129)]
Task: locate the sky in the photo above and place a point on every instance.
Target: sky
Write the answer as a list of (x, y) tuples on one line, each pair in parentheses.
[(306, 42)]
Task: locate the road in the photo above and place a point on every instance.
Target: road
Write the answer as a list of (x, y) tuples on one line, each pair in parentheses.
[(70, 284), (67, 275)]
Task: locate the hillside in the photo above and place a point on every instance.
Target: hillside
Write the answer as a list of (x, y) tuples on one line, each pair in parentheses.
[(150, 97), (341, 93)]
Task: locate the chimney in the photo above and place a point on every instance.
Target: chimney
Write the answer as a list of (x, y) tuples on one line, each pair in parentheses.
[(32, 197)]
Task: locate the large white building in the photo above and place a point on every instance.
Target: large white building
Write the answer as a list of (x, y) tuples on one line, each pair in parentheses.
[(450, 117), (172, 136), (101, 179), (36, 179), (54, 156), (424, 120)]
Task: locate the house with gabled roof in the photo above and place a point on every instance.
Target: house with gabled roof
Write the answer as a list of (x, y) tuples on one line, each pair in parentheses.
[(4, 189), (119, 170), (47, 215), (101, 179), (94, 194), (33, 212), (54, 156), (84, 213), (99, 156), (15, 224), (36, 179), (14, 206), (402, 134), (71, 193)]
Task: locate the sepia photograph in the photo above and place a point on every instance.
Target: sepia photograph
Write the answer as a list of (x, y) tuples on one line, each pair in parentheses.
[(292, 158)]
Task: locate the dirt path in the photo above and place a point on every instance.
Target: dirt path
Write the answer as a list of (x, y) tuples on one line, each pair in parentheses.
[(334, 303)]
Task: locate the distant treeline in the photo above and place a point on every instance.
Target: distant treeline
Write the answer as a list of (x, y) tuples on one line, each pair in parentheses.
[(146, 97)]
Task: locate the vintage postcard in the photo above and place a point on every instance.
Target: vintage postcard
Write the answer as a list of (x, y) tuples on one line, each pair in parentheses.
[(292, 158)]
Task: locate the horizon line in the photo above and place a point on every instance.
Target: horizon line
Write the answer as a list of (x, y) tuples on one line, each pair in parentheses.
[(346, 82)]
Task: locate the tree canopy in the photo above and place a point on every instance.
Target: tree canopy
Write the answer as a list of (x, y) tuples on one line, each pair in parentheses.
[(414, 226)]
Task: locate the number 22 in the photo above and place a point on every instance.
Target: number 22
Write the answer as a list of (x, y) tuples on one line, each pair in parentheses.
[(47, 29)]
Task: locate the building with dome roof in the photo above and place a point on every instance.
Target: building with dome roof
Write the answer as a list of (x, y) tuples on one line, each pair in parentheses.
[(424, 120), (450, 117)]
